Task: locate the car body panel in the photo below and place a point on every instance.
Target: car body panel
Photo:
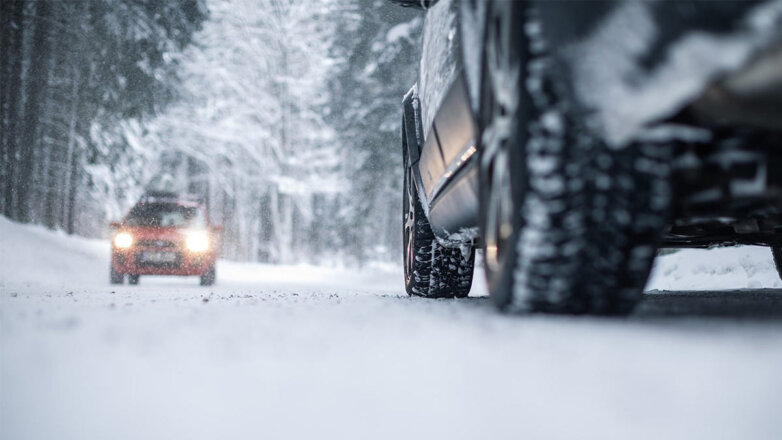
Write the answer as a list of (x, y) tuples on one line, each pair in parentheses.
[(452, 197), (456, 209), (441, 48), (431, 165), (448, 125), (446, 167), (455, 125)]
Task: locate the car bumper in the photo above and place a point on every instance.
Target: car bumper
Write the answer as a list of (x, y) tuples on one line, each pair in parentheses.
[(184, 264)]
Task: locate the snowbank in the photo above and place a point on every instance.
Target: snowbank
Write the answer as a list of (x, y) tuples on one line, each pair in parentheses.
[(742, 267), (34, 255)]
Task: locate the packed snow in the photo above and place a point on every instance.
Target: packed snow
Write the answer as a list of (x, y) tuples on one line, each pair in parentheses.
[(612, 82), (335, 352)]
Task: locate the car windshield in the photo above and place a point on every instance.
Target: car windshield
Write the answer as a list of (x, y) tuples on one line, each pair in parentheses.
[(166, 215)]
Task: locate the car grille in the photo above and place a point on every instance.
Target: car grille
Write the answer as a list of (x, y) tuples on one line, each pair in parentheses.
[(157, 243)]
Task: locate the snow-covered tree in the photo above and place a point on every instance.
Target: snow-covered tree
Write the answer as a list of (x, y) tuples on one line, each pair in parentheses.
[(381, 44), (251, 117), (283, 114), (75, 76), (289, 123)]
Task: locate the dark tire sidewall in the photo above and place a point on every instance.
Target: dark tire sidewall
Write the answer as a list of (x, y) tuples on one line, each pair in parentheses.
[(501, 281), (116, 277), (209, 277)]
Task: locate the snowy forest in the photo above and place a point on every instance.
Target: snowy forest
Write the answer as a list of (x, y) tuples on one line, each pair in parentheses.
[(282, 115)]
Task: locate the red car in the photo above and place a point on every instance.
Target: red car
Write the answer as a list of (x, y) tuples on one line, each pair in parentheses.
[(164, 235)]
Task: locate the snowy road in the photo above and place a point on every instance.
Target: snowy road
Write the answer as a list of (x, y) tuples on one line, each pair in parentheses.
[(307, 352)]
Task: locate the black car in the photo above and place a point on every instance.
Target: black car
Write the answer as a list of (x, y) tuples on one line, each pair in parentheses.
[(570, 140)]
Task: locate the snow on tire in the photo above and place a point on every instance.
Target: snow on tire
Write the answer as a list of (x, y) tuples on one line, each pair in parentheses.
[(431, 269), (586, 217)]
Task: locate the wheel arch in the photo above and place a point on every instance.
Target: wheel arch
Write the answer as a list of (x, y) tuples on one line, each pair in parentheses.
[(412, 133), (413, 141)]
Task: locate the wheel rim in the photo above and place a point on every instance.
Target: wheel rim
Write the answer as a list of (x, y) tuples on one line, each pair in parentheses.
[(409, 222), (501, 99), (499, 227)]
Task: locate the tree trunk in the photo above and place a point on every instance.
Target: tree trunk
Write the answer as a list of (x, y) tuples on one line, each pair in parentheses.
[(38, 73), (13, 86), (71, 163), (53, 134), (5, 30)]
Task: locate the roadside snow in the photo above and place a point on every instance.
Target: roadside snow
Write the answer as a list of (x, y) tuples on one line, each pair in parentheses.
[(309, 352), (35, 256), (743, 267)]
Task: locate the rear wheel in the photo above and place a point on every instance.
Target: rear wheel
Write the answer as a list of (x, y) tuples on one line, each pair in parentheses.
[(431, 269), (209, 277), (116, 277), (133, 279), (569, 224)]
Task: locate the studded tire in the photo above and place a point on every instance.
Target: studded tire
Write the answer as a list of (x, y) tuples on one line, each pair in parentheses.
[(569, 224), (431, 269)]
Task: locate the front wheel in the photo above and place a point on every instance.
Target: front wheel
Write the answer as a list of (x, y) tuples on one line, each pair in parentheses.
[(569, 224), (133, 279), (209, 277), (116, 277)]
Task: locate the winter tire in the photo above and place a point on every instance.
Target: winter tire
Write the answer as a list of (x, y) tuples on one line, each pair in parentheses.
[(431, 269), (116, 277), (209, 277), (569, 225), (133, 279)]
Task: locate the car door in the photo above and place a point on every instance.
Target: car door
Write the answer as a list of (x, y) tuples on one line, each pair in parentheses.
[(446, 166)]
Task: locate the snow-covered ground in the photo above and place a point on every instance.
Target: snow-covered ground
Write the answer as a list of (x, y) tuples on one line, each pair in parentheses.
[(310, 352)]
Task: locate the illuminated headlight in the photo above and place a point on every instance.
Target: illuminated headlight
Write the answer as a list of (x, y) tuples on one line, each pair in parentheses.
[(123, 240), (197, 241)]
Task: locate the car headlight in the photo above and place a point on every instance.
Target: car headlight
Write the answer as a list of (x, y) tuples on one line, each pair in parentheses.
[(197, 241), (123, 240)]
